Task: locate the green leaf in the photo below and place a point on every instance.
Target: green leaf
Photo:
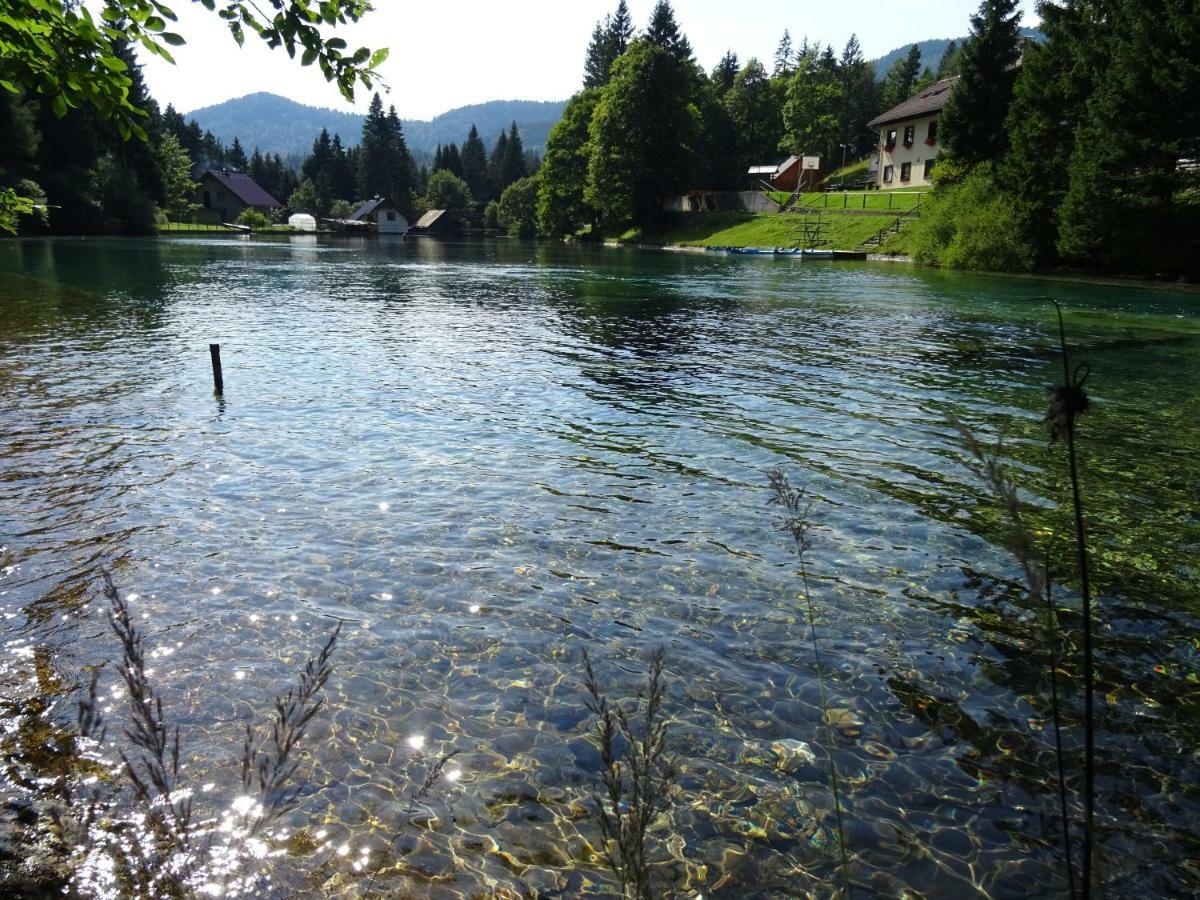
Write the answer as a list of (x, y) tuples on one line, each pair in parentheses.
[(154, 24), (59, 105), (377, 60), (309, 56), (173, 39), (9, 86)]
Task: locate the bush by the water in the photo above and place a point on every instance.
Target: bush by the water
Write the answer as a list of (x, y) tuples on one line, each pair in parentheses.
[(969, 223), (253, 218)]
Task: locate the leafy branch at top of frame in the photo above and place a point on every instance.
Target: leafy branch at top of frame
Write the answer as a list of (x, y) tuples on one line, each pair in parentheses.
[(59, 49)]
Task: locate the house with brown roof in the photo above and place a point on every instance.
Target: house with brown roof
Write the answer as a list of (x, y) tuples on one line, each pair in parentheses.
[(908, 137), (223, 194)]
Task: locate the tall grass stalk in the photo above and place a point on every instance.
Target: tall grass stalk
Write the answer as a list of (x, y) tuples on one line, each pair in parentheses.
[(159, 848), (637, 785), (796, 522), (1021, 544), (1068, 402)]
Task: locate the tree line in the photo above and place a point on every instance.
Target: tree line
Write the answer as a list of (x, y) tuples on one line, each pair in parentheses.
[(649, 123), (1081, 151)]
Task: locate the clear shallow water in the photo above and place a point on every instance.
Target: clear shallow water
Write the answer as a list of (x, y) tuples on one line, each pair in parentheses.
[(484, 458)]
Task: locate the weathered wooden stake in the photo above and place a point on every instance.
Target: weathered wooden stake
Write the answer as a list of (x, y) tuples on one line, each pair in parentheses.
[(218, 381)]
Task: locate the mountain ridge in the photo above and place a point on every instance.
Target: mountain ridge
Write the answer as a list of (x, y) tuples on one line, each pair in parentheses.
[(276, 124)]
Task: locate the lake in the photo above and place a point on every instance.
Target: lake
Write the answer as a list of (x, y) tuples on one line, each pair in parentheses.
[(484, 458)]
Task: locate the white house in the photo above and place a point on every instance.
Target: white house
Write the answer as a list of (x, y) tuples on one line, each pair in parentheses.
[(908, 137), (383, 214)]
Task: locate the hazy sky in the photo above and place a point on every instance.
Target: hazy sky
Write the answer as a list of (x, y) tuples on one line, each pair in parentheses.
[(453, 52)]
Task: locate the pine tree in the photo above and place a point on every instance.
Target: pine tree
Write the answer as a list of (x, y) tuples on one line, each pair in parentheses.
[(858, 89), (496, 163), (901, 79), (236, 157), (372, 175), (475, 167), (452, 160), (599, 55), (514, 157), (725, 72), (1049, 106), (663, 31), (1130, 204), (972, 121), (621, 29), (401, 169), (784, 57), (610, 38), (948, 64)]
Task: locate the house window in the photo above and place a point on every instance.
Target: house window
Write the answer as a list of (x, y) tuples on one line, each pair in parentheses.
[(207, 200), (391, 217), (929, 168), (891, 140), (910, 135), (906, 171), (931, 138), (887, 174)]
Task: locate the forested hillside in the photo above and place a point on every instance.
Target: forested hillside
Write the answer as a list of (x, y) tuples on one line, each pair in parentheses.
[(275, 124)]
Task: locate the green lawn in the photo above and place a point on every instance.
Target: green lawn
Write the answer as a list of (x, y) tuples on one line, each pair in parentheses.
[(203, 226), (740, 229)]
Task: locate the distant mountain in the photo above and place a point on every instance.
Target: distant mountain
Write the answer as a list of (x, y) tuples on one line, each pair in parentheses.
[(931, 52), (275, 124)]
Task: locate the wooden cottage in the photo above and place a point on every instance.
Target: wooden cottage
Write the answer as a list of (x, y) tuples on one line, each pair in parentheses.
[(436, 222), (382, 213), (223, 194)]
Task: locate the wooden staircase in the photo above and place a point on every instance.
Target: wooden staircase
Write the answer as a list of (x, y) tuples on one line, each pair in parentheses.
[(894, 227)]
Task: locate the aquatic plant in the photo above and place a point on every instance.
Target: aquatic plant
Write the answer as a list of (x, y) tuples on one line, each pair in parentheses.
[(156, 847), (637, 785), (796, 522)]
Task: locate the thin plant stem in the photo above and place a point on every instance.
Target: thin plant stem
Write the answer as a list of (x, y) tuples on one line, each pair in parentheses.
[(1074, 403), (797, 523), (1052, 636)]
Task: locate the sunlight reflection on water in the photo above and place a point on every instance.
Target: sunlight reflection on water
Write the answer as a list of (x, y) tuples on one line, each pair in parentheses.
[(573, 448)]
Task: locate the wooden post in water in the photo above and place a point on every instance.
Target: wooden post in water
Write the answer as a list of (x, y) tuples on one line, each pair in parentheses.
[(214, 351)]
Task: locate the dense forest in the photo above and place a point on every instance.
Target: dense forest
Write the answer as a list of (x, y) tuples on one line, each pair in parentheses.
[(649, 123), (106, 183)]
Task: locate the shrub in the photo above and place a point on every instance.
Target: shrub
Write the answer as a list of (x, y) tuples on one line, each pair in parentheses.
[(253, 218), (969, 223), (449, 192), (341, 209), (491, 216), (518, 212)]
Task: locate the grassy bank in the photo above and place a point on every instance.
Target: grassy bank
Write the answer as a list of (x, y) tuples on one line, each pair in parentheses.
[(839, 231)]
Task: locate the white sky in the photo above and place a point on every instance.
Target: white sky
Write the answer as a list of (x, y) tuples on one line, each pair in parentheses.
[(451, 53)]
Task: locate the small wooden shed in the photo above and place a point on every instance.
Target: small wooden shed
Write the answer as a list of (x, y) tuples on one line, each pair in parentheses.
[(382, 213)]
